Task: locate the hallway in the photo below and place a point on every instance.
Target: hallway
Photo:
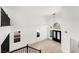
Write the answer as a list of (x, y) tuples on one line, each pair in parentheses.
[(48, 46)]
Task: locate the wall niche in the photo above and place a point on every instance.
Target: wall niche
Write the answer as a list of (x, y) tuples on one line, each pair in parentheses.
[(17, 36), (38, 34)]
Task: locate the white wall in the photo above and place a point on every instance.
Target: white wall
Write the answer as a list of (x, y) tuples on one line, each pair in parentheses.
[(0, 16), (28, 20), (61, 18), (4, 31), (72, 14), (68, 17)]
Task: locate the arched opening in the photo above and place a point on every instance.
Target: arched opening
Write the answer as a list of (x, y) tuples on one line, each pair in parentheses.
[(56, 33), (56, 26)]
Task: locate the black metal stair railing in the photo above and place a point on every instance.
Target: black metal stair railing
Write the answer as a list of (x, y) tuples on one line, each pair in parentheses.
[(26, 49), (32, 50)]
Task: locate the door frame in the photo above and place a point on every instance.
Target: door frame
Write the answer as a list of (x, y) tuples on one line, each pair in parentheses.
[(58, 40)]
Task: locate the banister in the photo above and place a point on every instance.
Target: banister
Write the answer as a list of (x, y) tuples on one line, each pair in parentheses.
[(27, 47)]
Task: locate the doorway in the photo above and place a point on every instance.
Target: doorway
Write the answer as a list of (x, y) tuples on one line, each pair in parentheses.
[(56, 32), (56, 35)]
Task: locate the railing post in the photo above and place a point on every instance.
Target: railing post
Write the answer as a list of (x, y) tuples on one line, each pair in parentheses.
[(40, 51), (27, 48)]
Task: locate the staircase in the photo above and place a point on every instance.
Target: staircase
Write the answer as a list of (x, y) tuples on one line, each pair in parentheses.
[(5, 45)]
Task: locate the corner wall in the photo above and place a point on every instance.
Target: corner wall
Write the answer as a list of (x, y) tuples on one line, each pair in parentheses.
[(0, 16)]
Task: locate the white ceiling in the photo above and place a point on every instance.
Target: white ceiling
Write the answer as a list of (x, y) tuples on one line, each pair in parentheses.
[(33, 9), (36, 14)]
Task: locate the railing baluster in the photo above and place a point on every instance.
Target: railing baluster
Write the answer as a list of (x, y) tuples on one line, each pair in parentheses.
[(25, 50), (22, 50), (40, 51), (19, 51)]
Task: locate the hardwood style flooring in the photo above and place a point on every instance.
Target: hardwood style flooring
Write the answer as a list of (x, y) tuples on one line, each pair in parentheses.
[(48, 46)]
